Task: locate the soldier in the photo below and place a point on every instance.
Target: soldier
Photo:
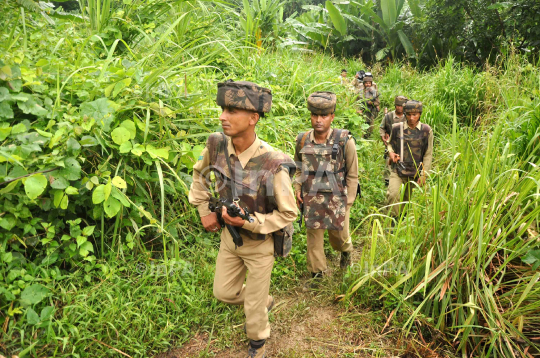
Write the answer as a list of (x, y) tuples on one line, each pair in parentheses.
[(262, 183), (326, 184), (385, 129), (369, 99), (373, 83), (357, 83), (343, 78), (411, 153)]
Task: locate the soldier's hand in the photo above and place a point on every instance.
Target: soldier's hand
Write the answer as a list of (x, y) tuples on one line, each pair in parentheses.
[(210, 222), (421, 180), (234, 221), (299, 200), (394, 157), (385, 138)]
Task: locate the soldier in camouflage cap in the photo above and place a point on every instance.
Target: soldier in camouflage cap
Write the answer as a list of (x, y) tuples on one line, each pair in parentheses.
[(244, 95), (411, 154), (385, 128), (322, 103), (262, 178), (326, 183)]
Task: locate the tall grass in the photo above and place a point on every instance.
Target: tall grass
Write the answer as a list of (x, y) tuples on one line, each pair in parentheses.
[(455, 258)]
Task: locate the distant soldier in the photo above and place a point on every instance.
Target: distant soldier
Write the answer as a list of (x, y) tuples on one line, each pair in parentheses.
[(396, 116), (411, 153), (326, 184), (357, 83), (252, 175), (343, 78), (370, 104)]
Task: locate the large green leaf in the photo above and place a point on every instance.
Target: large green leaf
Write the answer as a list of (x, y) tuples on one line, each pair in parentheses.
[(389, 12), (112, 206), (155, 152), (337, 19), (35, 185), (98, 195), (406, 43), (120, 135), (101, 110), (34, 294), (72, 169)]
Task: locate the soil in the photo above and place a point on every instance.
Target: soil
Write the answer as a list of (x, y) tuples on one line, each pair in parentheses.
[(314, 324)]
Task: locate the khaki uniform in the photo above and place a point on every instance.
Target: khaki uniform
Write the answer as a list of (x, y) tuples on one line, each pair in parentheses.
[(340, 240), (394, 186), (256, 257)]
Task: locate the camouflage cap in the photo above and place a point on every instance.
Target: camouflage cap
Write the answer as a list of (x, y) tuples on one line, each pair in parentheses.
[(412, 106), (322, 103), (368, 79), (400, 100), (244, 95)]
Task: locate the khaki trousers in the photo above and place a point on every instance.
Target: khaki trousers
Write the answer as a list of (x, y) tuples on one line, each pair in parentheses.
[(256, 257), (394, 192), (340, 241)]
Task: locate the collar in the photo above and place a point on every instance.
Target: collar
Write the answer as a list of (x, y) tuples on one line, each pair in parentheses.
[(247, 154), (418, 125), (402, 115), (312, 135)]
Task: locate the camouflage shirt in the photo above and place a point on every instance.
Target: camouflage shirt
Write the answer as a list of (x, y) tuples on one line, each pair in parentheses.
[(387, 122), (328, 183), (428, 154), (273, 216)]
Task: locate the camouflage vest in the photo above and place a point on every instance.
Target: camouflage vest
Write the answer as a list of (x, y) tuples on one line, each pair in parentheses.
[(324, 187), (415, 144), (390, 119), (254, 184)]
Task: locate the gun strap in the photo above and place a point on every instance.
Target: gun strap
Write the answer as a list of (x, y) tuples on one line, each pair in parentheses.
[(231, 173), (401, 142)]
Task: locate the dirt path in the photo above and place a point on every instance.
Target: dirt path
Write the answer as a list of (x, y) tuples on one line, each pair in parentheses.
[(309, 324)]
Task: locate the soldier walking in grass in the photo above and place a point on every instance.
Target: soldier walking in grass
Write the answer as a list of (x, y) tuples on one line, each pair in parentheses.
[(255, 176), (385, 129), (370, 104), (358, 82), (326, 182), (411, 153)]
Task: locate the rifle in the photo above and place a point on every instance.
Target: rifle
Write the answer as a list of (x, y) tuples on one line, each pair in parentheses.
[(216, 205), (301, 210)]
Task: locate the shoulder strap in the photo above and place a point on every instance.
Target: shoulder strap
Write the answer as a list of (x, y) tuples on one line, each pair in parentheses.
[(233, 184), (335, 146), (401, 141), (300, 142)]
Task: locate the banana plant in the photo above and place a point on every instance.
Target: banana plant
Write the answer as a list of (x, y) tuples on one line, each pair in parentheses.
[(391, 27), (333, 24)]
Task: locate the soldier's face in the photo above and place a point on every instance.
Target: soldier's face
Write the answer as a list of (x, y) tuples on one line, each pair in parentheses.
[(399, 110), (343, 74), (321, 123), (412, 119), (367, 84), (235, 122)]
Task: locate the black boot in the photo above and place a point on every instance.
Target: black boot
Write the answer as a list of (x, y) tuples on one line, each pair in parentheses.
[(314, 282), (256, 349), (345, 260)]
